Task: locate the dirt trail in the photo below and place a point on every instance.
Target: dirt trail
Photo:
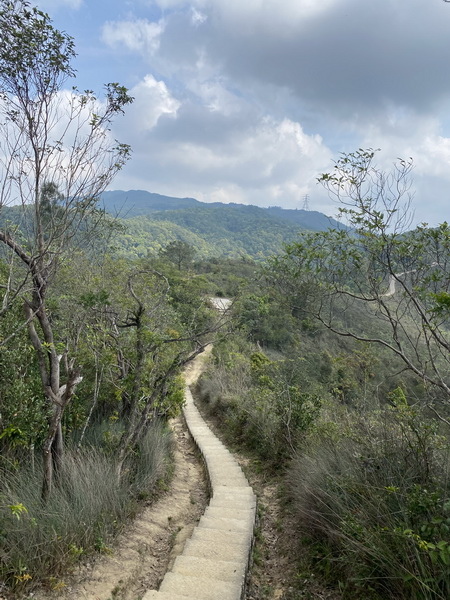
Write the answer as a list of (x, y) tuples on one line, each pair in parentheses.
[(149, 545)]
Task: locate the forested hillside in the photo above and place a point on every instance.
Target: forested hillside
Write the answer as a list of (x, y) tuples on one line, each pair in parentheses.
[(134, 203), (146, 223), (152, 221)]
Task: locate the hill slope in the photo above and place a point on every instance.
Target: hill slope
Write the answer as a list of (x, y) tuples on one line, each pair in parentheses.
[(134, 203), (152, 221), (214, 229)]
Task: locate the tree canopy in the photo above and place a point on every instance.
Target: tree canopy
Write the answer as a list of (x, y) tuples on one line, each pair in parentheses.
[(58, 156), (397, 276)]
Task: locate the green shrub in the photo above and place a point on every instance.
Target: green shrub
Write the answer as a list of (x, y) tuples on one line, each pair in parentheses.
[(374, 495), (262, 403)]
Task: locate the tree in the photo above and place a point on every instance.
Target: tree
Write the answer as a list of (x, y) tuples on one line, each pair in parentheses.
[(57, 156), (152, 344), (392, 275), (179, 253)]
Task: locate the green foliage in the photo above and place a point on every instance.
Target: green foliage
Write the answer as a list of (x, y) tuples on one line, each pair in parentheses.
[(397, 397), (374, 495), (398, 278), (92, 299), (179, 253), (230, 278), (232, 231), (188, 294), (442, 300), (172, 402), (142, 237), (265, 320), (266, 403), (34, 56), (23, 412)]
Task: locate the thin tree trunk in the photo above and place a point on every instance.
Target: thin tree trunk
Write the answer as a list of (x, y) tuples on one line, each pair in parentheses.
[(58, 450), (97, 383), (48, 453)]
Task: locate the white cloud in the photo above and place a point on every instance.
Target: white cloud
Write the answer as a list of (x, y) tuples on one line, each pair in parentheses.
[(227, 193), (264, 89), (197, 17), (404, 134), (268, 10), (213, 94), (263, 154), (270, 15), (435, 155), (138, 35), (152, 100), (262, 161)]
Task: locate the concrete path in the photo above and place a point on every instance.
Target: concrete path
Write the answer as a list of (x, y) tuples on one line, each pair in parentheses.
[(214, 561)]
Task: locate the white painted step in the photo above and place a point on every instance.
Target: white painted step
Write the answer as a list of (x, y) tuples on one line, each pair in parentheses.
[(214, 561)]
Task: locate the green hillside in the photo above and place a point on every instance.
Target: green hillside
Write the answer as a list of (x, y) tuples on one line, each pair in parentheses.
[(151, 221), (212, 231), (231, 230), (134, 203), (143, 236), (308, 219)]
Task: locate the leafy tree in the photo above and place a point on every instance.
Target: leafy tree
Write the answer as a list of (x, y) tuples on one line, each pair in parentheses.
[(398, 278), (152, 345), (22, 407), (265, 319), (179, 253), (58, 156)]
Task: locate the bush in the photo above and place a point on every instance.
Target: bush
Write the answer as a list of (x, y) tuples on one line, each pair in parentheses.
[(263, 403), (374, 496), (38, 542)]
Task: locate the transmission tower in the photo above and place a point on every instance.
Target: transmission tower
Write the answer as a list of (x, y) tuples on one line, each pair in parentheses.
[(306, 202)]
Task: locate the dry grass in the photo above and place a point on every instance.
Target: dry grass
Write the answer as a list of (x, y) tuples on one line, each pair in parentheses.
[(372, 497), (40, 541)]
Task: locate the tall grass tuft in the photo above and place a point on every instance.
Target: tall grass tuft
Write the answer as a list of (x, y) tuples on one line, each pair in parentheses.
[(151, 461), (374, 498), (39, 542)]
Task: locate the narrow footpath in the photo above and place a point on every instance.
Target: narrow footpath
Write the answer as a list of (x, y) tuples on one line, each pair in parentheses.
[(178, 545), (213, 564)]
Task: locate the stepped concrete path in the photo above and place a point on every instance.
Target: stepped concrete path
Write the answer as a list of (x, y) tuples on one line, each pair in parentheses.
[(214, 562)]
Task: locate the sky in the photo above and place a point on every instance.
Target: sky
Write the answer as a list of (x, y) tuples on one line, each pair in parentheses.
[(249, 101)]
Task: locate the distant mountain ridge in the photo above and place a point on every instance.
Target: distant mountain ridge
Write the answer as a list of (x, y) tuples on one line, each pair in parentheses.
[(214, 229), (152, 221), (134, 203)]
